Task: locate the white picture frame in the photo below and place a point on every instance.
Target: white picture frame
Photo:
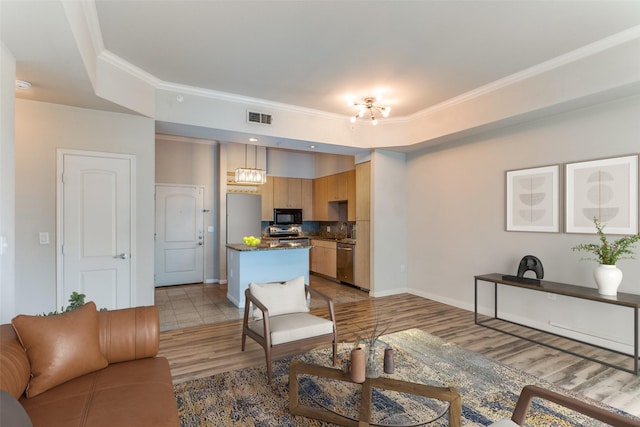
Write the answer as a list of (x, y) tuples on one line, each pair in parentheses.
[(606, 189), (533, 199)]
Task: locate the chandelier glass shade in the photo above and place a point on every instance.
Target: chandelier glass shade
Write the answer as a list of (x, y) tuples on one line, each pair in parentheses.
[(370, 108), (247, 175)]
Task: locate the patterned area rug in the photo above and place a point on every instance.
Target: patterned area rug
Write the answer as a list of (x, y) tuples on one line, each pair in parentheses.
[(489, 389)]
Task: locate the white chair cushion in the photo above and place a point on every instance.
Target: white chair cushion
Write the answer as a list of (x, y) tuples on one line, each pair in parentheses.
[(280, 298), (292, 327), (506, 422)]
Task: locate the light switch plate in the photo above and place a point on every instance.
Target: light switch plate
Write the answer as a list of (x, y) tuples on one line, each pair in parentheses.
[(44, 238)]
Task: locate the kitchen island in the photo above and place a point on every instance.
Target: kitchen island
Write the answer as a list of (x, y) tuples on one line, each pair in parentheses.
[(267, 262)]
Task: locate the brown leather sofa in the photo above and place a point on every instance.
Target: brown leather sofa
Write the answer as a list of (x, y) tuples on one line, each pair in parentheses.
[(131, 387)]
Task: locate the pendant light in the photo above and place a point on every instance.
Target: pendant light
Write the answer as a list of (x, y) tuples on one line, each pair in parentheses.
[(247, 175)]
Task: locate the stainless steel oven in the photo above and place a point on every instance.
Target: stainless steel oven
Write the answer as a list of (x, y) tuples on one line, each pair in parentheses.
[(345, 254)]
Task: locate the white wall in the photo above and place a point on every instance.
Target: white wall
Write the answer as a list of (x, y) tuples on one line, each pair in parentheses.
[(7, 185), (456, 218), (41, 129), (295, 164), (292, 164)]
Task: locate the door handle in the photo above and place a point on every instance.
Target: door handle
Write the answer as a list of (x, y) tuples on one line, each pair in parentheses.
[(122, 256)]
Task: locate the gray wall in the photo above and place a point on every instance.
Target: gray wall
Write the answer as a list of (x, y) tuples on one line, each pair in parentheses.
[(187, 161), (41, 129), (456, 219)]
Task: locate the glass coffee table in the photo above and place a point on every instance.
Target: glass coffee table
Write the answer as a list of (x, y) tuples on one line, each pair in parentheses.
[(328, 394)]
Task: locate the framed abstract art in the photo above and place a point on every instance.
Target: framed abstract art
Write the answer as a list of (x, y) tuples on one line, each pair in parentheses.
[(606, 189), (533, 199)]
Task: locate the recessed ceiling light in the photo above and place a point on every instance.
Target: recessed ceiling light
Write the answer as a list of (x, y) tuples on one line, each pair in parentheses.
[(312, 146), (253, 139), (22, 84)]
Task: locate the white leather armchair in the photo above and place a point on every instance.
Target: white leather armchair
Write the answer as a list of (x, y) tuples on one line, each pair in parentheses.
[(280, 320)]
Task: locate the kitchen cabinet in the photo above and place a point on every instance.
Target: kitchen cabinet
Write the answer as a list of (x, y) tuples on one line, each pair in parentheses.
[(362, 263), (266, 192), (320, 199), (351, 195), (287, 192), (363, 188), (337, 187), (307, 199), (324, 257)]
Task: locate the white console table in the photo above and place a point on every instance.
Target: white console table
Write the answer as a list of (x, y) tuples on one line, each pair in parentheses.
[(631, 301)]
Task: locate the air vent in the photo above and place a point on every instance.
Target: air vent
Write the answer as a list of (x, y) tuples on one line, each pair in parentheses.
[(262, 118)]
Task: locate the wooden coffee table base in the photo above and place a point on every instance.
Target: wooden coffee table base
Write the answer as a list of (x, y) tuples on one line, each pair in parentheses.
[(447, 394)]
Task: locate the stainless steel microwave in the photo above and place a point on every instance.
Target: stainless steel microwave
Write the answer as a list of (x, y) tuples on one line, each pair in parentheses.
[(287, 216)]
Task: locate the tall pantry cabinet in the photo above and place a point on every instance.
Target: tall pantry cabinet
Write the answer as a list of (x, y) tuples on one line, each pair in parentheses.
[(363, 198)]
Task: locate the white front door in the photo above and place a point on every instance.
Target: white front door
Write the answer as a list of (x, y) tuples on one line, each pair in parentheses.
[(96, 228), (179, 250)]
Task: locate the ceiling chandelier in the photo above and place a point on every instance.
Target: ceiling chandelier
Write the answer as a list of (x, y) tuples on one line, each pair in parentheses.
[(370, 106), (247, 175)]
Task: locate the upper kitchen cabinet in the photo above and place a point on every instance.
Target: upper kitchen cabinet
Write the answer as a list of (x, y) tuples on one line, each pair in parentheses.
[(337, 187), (320, 199), (266, 191), (363, 186), (307, 199), (287, 192)]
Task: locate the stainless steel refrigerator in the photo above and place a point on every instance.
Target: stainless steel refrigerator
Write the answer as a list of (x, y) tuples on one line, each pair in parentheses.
[(244, 212)]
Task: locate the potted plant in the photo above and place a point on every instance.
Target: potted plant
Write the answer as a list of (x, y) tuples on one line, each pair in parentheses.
[(607, 275)]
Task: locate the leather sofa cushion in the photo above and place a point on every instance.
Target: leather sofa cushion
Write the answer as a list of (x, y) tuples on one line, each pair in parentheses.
[(14, 363), (128, 394), (60, 347)]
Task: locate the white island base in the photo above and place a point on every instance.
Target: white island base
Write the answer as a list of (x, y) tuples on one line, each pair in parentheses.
[(263, 265)]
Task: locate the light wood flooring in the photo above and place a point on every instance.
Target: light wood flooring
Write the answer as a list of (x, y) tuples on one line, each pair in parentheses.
[(208, 349)]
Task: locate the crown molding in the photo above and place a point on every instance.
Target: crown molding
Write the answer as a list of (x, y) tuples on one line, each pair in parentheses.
[(108, 57), (125, 66), (93, 25), (614, 40)]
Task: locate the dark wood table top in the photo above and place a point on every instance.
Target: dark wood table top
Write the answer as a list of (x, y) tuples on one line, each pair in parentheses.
[(624, 299)]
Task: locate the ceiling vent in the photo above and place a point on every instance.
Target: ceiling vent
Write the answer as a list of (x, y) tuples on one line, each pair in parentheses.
[(262, 118)]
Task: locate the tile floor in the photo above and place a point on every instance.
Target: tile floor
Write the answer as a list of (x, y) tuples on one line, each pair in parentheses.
[(184, 306)]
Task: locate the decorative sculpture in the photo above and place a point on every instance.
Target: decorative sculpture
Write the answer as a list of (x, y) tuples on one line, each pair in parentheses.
[(528, 262)]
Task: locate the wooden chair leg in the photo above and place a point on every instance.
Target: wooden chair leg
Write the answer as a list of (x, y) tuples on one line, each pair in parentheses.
[(335, 351), (267, 354), (244, 340)]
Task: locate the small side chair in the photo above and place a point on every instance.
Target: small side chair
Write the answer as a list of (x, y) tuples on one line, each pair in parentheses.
[(280, 320)]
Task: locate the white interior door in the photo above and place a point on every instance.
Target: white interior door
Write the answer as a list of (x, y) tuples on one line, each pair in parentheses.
[(179, 249), (96, 220)]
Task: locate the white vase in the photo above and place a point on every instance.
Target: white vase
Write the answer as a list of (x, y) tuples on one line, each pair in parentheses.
[(608, 278)]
